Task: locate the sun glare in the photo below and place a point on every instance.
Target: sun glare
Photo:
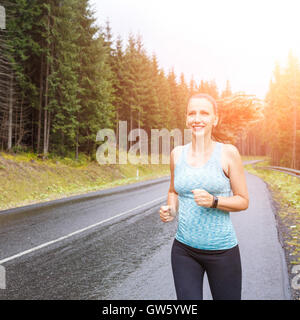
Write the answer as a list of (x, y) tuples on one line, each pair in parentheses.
[(233, 40)]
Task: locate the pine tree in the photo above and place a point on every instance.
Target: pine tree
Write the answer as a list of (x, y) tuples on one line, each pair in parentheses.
[(172, 112), (281, 128), (227, 92), (95, 82), (64, 104), (17, 46)]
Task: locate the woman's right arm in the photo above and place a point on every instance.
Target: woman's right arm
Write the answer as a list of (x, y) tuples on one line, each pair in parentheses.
[(172, 194)]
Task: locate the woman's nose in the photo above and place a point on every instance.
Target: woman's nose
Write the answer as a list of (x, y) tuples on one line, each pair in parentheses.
[(198, 117)]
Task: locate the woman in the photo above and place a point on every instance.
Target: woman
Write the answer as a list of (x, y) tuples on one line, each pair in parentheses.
[(203, 174)]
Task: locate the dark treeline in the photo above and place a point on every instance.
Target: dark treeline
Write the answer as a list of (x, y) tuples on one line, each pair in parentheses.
[(63, 78), (56, 80)]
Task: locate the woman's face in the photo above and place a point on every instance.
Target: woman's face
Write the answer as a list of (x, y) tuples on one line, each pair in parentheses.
[(200, 116)]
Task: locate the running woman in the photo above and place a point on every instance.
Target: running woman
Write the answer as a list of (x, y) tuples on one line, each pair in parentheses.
[(204, 172)]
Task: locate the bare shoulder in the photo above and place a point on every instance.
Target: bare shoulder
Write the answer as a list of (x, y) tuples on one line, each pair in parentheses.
[(231, 149), (231, 152)]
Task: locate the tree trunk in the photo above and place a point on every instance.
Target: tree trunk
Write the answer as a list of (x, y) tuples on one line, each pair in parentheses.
[(294, 160), (76, 151), (117, 130), (40, 107), (46, 120), (45, 133), (48, 130), (21, 128), (10, 114), (130, 142)]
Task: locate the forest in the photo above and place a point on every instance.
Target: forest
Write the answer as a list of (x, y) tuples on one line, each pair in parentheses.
[(63, 78)]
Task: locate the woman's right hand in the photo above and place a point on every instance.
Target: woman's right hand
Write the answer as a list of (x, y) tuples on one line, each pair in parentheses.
[(165, 214)]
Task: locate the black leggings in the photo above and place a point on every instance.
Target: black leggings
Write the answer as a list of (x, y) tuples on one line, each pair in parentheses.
[(223, 269)]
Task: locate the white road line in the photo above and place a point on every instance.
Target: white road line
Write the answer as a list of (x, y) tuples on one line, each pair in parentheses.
[(75, 232)]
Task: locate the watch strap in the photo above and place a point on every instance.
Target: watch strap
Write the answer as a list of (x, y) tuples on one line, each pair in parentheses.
[(215, 202)]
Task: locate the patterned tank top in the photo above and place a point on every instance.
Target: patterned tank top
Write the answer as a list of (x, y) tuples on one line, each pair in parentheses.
[(201, 227)]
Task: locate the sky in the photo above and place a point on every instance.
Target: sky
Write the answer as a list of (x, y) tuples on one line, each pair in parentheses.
[(235, 40)]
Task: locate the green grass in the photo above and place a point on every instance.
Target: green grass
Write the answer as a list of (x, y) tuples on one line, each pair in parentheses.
[(247, 158), (26, 179)]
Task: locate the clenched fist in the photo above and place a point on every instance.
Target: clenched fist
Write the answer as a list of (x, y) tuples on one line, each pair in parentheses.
[(165, 213), (203, 198)]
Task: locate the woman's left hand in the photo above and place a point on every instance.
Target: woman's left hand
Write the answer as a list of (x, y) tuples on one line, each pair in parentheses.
[(203, 198)]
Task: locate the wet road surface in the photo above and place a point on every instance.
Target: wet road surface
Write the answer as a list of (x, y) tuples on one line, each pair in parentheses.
[(128, 257)]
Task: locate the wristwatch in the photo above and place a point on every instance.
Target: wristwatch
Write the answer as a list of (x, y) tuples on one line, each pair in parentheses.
[(215, 202)]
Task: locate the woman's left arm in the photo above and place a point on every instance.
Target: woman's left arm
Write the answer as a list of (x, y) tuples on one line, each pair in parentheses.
[(240, 199)]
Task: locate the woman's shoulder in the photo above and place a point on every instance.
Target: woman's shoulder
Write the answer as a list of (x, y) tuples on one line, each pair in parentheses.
[(230, 151), (230, 148)]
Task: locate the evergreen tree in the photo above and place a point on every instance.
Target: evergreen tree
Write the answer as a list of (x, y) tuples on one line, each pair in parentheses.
[(95, 81), (227, 92), (19, 93), (281, 129), (172, 112), (64, 78)]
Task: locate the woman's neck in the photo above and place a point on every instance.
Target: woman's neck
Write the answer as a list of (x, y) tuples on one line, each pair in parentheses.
[(201, 145)]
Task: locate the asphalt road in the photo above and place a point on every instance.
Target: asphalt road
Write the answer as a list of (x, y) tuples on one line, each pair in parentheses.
[(116, 247)]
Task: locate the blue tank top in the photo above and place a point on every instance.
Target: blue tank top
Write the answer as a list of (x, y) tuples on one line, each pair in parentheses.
[(201, 227)]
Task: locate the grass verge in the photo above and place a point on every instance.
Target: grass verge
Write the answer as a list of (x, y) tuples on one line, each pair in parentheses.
[(26, 179)]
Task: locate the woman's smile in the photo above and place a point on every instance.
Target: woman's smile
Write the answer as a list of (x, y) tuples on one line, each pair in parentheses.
[(198, 127)]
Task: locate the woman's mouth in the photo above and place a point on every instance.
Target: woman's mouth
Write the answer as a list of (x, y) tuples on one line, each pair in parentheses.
[(198, 127)]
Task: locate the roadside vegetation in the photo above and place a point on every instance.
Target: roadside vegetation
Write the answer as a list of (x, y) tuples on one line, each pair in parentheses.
[(285, 190), (27, 179)]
